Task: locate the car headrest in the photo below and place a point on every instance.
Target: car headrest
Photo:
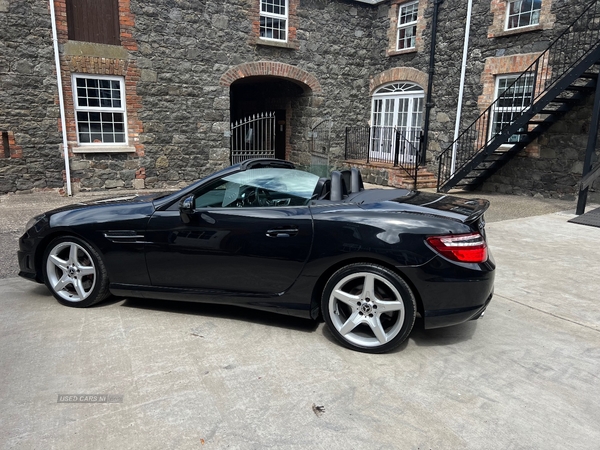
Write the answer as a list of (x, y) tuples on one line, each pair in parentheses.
[(338, 186), (356, 182)]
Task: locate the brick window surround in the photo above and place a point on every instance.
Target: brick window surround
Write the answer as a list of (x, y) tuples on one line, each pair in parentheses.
[(499, 10), (506, 65), (392, 33), (398, 74), (96, 65), (292, 39)]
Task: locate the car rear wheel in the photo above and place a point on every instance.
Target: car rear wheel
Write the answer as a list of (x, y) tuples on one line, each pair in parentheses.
[(74, 272), (368, 308)]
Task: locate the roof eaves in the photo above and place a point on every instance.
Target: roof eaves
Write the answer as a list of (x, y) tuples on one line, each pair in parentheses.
[(371, 2)]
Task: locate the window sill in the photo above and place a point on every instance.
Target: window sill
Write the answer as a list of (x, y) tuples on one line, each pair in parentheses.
[(514, 31), (103, 149), (404, 51), (278, 44)]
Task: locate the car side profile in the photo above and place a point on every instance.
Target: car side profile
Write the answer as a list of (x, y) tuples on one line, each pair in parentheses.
[(264, 235)]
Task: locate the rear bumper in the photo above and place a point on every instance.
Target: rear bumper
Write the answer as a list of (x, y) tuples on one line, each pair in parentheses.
[(449, 317), (452, 293)]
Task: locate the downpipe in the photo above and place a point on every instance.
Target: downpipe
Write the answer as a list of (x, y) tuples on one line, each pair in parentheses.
[(429, 102), (61, 100), (461, 88)]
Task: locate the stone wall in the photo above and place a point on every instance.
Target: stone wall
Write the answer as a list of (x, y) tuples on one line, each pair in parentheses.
[(28, 114), (188, 48), (174, 55)]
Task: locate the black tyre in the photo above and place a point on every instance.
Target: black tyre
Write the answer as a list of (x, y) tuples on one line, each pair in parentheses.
[(368, 308), (74, 272)]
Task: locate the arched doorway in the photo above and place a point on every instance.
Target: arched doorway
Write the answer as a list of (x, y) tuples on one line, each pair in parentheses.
[(265, 104), (396, 118), (264, 89)]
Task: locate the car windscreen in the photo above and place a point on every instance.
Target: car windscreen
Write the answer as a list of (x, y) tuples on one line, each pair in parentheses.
[(291, 182)]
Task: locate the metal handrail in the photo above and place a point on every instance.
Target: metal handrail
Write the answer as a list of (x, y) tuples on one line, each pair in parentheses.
[(402, 148), (561, 56)]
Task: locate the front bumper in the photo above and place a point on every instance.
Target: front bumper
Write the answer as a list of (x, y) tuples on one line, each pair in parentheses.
[(26, 258)]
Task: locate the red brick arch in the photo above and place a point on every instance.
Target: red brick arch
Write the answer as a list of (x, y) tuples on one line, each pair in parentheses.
[(270, 68), (398, 74)]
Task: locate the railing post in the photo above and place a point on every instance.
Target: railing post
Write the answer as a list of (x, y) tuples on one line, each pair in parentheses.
[(346, 144), (369, 142), (396, 145)]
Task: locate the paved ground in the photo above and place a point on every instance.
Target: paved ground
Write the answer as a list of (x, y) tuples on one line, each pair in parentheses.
[(526, 376)]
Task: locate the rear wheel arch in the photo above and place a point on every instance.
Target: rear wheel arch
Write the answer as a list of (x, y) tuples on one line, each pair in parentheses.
[(368, 307), (315, 303)]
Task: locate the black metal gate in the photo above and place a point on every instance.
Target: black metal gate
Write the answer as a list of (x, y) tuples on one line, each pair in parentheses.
[(253, 137)]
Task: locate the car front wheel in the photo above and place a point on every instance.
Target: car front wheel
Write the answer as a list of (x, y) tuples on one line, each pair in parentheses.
[(368, 308), (74, 272)]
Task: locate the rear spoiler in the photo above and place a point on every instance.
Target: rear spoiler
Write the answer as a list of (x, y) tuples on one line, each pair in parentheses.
[(482, 206)]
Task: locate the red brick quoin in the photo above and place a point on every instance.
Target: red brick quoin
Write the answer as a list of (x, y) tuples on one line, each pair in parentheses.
[(126, 68)]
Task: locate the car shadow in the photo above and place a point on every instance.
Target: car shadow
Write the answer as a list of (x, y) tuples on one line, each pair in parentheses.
[(419, 335), (427, 338), (442, 336), (223, 312)]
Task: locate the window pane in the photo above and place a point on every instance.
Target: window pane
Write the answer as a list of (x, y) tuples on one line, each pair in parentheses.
[(514, 95), (407, 26), (273, 6), (271, 28), (97, 126), (523, 13), (408, 13)]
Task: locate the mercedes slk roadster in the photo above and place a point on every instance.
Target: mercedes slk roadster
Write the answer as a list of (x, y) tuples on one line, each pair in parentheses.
[(264, 235)]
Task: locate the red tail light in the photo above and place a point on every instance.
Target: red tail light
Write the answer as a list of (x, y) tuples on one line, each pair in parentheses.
[(469, 248)]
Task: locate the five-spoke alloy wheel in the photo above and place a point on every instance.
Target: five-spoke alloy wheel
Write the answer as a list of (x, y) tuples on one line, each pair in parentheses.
[(368, 307), (74, 272)]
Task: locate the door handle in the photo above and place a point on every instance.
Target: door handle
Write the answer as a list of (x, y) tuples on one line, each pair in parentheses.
[(282, 232)]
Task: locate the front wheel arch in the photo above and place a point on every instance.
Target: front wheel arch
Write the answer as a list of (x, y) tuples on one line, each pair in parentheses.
[(65, 252)]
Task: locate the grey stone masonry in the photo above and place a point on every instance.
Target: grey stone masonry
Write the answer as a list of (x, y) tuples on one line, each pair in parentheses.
[(183, 61), (27, 99)]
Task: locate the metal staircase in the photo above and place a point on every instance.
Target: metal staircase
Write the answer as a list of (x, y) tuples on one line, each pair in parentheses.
[(559, 79)]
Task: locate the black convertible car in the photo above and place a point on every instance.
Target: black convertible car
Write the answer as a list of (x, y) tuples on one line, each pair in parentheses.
[(264, 235)]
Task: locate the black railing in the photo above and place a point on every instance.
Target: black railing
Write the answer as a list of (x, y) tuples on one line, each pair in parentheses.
[(496, 125), (391, 145)]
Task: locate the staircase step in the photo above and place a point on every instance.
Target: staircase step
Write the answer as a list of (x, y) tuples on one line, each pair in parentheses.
[(575, 88), (565, 100), (550, 119)]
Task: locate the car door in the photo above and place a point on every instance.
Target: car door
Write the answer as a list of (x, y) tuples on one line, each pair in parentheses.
[(238, 247)]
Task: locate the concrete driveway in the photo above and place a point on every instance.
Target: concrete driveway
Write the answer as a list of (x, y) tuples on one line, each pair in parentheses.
[(201, 376)]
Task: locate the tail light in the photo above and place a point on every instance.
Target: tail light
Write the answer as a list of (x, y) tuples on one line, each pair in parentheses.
[(468, 248)]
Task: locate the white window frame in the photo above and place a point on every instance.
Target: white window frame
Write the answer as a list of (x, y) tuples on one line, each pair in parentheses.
[(118, 146), (391, 94), (269, 15), (408, 25), (533, 13), (509, 109)]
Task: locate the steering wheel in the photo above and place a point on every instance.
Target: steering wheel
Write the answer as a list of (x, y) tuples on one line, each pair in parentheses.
[(254, 196)]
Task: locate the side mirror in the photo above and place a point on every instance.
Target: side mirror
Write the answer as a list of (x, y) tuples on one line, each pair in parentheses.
[(186, 208)]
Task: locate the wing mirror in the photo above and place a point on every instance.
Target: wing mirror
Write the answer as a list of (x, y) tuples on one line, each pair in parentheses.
[(186, 208)]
